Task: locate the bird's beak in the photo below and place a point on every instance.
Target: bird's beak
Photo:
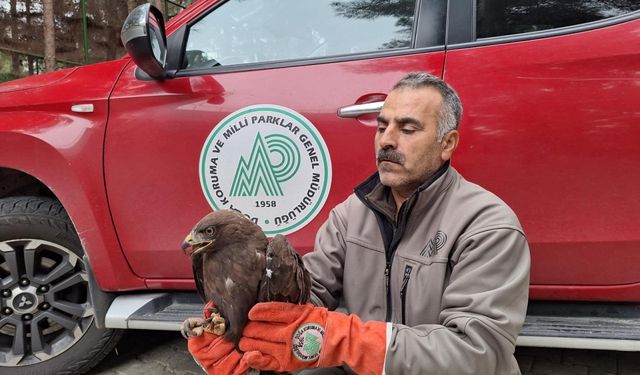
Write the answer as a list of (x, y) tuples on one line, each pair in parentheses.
[(187, 243), (196, 247)]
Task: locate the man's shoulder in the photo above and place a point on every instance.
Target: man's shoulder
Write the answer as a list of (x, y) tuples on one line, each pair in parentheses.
[(349, 205), (486, 207), (471, 190)]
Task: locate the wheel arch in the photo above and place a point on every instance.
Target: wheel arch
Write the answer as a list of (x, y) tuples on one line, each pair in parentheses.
[(47, 286), (31, 166)]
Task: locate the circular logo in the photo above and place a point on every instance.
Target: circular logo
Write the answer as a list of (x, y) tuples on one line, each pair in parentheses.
[(307, 342), (24, 302), (269, 163)]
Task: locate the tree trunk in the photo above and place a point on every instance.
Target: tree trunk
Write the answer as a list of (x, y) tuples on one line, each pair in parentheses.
[(16, 66), (49, 37), (30, 64), (27, 29), (131, 4)]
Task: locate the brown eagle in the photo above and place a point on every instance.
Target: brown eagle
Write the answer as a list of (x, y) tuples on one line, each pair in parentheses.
[(235, 267)]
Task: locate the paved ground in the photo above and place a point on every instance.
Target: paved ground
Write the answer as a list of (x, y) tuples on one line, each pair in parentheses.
[(151, 352)]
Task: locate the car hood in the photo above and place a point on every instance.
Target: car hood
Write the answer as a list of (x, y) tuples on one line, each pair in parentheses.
[(84, 84), (32, 82)]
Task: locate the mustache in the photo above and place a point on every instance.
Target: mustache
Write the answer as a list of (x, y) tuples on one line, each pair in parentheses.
[(390, 155)]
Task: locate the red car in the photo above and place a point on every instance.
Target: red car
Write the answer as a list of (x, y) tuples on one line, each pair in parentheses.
[(269, 107)]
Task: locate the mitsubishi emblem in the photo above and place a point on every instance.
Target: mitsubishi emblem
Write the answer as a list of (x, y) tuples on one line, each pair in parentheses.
[(24, 301)]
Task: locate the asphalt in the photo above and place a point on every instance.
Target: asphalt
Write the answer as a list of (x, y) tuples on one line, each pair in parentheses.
[(155, 352)]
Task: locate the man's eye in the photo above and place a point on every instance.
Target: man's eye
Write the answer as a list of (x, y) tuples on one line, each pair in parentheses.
[(381, 129), (407, 131)]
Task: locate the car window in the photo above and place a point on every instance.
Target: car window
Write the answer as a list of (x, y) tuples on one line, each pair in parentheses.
[(253, 31), (505, 17)]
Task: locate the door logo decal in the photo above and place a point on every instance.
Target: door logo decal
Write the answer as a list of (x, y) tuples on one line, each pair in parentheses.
[(259, 174), (270, 163)]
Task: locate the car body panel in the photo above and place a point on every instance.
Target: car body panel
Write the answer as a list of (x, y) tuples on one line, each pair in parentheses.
[(152, 156), (551, 126), (41, 136), (36, 81)]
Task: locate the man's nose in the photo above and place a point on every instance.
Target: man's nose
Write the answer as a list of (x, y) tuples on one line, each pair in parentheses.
[(388, 138)]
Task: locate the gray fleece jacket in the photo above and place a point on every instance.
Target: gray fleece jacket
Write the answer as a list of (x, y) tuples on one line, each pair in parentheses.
[(450, 273)]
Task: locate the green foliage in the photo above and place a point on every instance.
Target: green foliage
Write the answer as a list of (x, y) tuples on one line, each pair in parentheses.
[(8, 77)]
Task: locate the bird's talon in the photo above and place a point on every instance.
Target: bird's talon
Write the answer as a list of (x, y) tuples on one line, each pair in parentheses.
[(216, 324)]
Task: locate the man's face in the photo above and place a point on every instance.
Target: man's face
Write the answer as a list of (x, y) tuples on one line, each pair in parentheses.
[(406, 143)]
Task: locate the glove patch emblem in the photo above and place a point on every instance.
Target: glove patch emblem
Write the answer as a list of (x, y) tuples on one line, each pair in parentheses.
[(307, 342)]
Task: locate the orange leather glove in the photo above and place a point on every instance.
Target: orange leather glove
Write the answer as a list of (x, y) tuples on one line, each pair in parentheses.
[(285, 337), (214, 353)]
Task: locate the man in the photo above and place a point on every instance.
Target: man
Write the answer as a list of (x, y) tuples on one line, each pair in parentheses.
[(433, 269)]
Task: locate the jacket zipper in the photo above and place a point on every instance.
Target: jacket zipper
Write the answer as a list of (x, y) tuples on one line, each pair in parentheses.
[(383, 219), (387, 272), (387, 284), (403, 290)]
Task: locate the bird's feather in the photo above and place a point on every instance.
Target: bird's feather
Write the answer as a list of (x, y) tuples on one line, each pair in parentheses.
[(196, 266), (285, 279)]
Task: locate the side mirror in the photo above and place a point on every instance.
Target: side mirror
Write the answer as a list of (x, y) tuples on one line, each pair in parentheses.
[(145, 40)]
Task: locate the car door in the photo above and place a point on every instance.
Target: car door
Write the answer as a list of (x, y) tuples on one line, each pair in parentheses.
[(250, 121), (550, 92)]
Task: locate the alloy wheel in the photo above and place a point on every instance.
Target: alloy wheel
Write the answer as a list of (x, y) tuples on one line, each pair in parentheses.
[(45, 306)]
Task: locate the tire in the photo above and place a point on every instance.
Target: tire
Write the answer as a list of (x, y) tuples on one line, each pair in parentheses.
[(46, 315)]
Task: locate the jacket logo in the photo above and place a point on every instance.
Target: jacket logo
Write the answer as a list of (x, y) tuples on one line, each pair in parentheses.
[(434, 245)]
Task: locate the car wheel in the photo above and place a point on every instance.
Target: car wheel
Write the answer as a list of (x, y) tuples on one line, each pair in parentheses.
[(47, 320)]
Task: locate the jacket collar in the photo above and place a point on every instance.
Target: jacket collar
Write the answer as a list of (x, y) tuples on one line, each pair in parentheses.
[(378, 197)]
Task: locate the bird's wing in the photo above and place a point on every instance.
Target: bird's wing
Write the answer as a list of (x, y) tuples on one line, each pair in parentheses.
[(285, 279), (196, 266), (231, 279)]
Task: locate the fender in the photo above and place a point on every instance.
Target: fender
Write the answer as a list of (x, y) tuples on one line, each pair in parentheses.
[(40, 135)]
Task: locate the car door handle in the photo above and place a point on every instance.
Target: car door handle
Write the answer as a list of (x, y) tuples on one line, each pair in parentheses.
[(355, 110)]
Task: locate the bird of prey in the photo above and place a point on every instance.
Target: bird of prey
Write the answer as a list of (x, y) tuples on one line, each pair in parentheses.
[(235, 267)]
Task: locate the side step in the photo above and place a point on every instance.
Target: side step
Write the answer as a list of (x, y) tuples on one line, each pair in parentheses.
[(157, 311), (582, 325), (604, 326)]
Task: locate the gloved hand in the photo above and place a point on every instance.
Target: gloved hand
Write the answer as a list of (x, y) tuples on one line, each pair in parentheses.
[(285, 337), (215, 354)]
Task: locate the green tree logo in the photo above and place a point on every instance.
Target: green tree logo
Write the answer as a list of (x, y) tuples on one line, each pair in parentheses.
[(311, 344), (261, 173)]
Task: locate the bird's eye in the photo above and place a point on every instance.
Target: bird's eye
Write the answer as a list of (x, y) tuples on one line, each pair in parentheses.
[(210, 231)]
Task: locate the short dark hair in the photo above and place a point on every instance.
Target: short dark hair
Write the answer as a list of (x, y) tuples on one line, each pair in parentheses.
[(451, 110)]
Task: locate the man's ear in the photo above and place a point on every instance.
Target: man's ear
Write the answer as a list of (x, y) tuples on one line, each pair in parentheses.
[(449, 144)]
